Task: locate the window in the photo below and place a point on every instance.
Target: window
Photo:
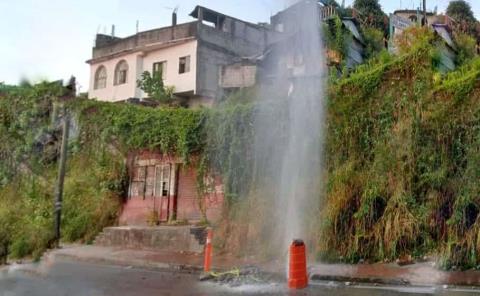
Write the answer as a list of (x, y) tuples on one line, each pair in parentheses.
[(160, 67), (100, 78), (165, 180), (121, 73), (184, 65), (162, 182), (137, 186), (150, 181)]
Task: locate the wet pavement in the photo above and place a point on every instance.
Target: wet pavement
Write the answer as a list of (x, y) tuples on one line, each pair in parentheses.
[(67, 277), (420, 274), (415, 274)]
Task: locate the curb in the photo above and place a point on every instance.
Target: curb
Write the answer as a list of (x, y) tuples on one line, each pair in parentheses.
[(154, 266), (371, 281), (193, 269)]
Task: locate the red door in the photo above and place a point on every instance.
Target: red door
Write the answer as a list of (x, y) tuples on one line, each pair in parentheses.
[(163, 180)]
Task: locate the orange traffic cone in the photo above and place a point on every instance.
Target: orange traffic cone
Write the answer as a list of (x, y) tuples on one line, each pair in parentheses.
[(208, 251), (297, 272)]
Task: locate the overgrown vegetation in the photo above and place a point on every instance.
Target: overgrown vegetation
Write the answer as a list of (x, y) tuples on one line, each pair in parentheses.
[(103, 135), (402, 148), (336, 37), (401, 159), (462, 14), (28, 151), (371, 14)]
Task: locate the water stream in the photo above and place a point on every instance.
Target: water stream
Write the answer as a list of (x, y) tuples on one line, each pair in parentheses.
[(296, 178)]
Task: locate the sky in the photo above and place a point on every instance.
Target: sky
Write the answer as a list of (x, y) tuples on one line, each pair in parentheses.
[(52, 39)]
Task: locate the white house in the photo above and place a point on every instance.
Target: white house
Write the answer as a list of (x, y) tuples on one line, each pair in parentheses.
[(191, 57)]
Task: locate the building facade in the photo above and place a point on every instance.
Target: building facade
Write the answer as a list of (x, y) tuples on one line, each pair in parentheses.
[(190, 57), (164, 189)]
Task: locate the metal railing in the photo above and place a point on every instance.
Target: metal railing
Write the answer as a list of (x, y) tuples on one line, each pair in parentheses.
[(327, 12)]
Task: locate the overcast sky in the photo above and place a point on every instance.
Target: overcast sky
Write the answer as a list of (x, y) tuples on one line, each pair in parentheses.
[(52, 39)]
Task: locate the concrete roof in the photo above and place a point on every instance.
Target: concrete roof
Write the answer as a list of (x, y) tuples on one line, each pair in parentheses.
[(213, 16)]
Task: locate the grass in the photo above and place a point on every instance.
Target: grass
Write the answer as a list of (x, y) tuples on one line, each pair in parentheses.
[(402, 161)]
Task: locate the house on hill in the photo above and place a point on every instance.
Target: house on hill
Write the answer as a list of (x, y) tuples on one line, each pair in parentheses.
[(281, 55), (286, 22), (189, 56), (401, 20)]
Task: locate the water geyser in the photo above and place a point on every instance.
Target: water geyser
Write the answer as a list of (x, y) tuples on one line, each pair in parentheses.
[(296, 177)]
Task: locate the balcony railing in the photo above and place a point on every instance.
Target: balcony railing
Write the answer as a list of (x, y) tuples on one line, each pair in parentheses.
[(327, 12)]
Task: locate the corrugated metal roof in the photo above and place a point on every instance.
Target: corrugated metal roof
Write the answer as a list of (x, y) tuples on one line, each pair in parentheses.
[(350, 25), (445, 34)]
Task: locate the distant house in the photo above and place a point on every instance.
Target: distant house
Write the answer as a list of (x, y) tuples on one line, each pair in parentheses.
[(280, 56), (416, 17), (440, 24), (190, 57)]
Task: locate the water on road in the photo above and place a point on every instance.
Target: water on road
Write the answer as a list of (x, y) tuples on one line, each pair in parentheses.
[(86, 279)]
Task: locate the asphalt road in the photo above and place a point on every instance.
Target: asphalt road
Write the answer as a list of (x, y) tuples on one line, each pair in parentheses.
[(79, 279)]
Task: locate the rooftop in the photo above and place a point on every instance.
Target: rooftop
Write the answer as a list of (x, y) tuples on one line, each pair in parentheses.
[(143, 41), (414, 11)]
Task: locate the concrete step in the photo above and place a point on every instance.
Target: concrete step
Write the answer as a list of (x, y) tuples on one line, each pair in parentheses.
[(99, 239), (162, 238)]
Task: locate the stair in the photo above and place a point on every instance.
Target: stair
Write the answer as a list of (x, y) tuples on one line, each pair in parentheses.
[(162, 238)]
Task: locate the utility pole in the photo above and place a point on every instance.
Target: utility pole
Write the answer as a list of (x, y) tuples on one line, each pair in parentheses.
[(425, 22), (61, 175)]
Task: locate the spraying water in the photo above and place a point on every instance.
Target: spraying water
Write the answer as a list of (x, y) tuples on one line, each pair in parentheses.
[(295, 158)]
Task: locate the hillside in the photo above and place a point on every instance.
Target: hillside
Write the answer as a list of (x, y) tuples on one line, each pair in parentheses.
[(401, 162)]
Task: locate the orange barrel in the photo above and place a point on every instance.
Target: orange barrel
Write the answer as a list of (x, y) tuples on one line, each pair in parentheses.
[(297, 271), (208, 251)]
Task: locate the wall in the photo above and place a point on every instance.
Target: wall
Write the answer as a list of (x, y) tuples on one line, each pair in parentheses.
[(413, 16), (143, 61), (182, 202), (217, 48), (114, 93), (238, 75), (210, 60), (162, 35), (185, 82), (188, 203)]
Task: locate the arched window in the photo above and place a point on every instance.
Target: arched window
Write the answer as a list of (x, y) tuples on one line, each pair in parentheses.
[(100, 78), (121, 73), (413, 18)]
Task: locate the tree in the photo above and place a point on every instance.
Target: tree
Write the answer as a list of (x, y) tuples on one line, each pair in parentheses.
[(371, 13), (153, 85), (460, 10), (462, 13)]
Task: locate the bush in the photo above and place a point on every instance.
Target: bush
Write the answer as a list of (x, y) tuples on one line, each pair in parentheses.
[(402, 157), (467, 48), (374, 40)]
